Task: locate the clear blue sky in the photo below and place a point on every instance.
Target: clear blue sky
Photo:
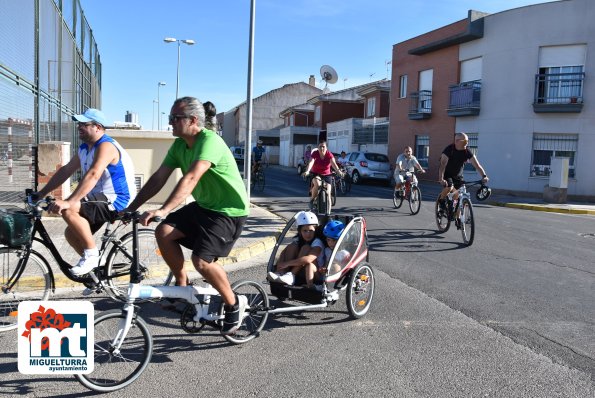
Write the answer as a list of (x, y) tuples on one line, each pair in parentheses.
[(293, 39)]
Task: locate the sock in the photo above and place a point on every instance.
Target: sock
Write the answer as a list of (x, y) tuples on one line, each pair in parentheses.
[(91, 252)]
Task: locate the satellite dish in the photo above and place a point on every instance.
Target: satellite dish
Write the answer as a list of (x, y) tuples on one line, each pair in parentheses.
[(329, 75)]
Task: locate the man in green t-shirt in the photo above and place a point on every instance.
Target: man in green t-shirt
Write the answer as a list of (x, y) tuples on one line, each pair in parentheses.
[(211, 225)]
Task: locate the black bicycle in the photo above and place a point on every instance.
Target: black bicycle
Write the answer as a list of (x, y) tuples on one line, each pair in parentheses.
[(323, 202), (25, 273), (461, 211), (257, 181), (342, 185)]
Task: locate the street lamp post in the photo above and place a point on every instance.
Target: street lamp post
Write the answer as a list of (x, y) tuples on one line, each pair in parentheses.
[(173, 40), (153, 118), (159, 84)]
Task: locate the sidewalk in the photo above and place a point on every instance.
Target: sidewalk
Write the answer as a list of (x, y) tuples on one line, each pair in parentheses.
[(537, 204)]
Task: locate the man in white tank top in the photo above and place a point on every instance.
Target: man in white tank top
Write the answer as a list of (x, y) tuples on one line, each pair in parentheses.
[(106, 187)]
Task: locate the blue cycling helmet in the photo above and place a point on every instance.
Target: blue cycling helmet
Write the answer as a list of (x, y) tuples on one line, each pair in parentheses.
[(333, 229)]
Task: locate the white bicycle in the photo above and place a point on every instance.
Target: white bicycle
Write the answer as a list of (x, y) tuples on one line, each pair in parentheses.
[(123, 342)]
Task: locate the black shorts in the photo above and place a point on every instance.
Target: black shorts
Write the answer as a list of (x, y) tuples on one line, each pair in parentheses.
[(97, 209), (456, 181), (208, 234), (327, 178)]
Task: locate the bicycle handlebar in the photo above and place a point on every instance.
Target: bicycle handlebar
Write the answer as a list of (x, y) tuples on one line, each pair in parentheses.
[(33, 201)]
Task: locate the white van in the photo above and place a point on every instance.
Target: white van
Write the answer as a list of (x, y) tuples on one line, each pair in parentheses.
[(238, 153)]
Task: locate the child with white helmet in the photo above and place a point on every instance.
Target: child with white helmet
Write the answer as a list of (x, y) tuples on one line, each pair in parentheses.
[(300, 254)]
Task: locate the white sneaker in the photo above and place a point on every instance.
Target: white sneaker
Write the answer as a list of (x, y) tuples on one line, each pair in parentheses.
[(273, 276), (85, 265), (288, 278)]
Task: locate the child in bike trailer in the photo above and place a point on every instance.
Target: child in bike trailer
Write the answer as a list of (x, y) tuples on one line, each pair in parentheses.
[(406, 162), (332, 231), (300, 257)]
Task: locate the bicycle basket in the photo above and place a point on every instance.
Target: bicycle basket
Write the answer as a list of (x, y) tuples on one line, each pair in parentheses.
[(16, 226)]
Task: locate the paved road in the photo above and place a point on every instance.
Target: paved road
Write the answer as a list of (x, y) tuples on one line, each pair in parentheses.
[(409, 345), (528, 275)]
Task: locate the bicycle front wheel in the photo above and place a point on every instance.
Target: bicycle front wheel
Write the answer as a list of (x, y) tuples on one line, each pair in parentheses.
[(256, 314), (397, 198), (414, 200), (467, 222), (442, 219), (119, 259), (117, 369), (33, 284), (259, 183), (333, 193)]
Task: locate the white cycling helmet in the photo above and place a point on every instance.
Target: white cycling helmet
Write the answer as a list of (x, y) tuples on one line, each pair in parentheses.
[(306, 218)]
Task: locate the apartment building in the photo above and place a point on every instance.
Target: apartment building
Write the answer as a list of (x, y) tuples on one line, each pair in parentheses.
[(516, 81)]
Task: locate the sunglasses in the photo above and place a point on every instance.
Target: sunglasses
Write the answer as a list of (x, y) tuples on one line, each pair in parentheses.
[(87, 124), (174, 118), (308, 230)]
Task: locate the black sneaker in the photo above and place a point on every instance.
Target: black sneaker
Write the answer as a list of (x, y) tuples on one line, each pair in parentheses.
[(234, 315)]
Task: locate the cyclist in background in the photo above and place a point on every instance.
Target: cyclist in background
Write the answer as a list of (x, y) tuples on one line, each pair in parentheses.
[(258, 152), (321, 162), (452, 160), (307, 154), (406, 162), (342, 160)]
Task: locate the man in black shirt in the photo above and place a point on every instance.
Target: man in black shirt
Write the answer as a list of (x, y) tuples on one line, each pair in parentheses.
[(452, 160)]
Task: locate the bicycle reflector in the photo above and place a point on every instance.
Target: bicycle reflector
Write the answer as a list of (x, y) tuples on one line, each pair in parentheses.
[(483, 193)]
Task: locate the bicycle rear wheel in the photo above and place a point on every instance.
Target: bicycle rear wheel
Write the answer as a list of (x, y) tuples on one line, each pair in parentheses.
[(119, 259), (115, 370), (467, 222), (34, 283), (442, 219), (415, 200), (256, 313), (397, 198)]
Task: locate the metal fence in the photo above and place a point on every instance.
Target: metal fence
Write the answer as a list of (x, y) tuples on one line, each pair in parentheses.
[(50, 69)]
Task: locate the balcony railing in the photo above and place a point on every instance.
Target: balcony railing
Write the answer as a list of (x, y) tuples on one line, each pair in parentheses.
[(464, 99), (558, 92), (420, 105)]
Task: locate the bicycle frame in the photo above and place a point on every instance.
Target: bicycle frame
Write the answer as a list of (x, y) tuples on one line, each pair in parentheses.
[(40, 234)]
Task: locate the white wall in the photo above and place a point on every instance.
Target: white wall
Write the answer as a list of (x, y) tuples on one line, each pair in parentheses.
[(510, 60)]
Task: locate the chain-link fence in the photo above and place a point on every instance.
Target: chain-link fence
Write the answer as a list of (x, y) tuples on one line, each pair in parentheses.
[(50, 69)]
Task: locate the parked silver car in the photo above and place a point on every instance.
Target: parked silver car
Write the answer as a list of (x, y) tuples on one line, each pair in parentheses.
[(369, 165)]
